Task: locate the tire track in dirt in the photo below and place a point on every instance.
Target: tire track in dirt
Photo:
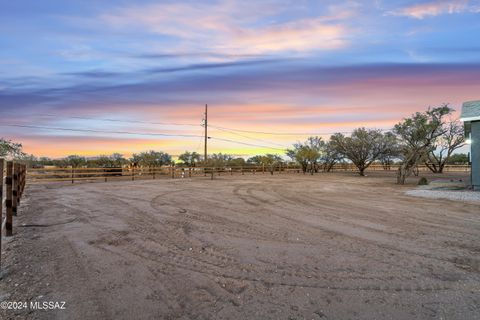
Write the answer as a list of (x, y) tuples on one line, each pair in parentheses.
[(200, 265), (386, 257)]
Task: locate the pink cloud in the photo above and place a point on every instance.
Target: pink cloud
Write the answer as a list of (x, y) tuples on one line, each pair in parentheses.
[(420, 11), (228, 27)]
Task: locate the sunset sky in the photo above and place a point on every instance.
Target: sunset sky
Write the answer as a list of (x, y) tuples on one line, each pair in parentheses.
[(295, 68)]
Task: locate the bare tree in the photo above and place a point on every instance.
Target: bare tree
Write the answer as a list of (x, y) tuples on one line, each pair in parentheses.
[(363, 147), (452, 139), (417, 136)]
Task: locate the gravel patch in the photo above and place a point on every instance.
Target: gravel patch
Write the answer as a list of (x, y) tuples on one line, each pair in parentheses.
[(460, 195)]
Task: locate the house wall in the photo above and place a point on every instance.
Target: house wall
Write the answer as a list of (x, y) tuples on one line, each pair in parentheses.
[(475, 154)]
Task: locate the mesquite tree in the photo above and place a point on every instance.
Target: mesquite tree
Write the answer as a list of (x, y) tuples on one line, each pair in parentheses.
[(268, 160), (189, 158), (10, 149), (75, 161), (452, 139), (307, 153), (363, 147), (151, 159), (391, 152), (330, 156), (417, 136)]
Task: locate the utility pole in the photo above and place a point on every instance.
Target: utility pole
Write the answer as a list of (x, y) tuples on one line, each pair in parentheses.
[(205, 123)]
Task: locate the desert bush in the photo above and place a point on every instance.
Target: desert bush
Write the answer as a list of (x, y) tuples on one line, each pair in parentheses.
[(422, 181)]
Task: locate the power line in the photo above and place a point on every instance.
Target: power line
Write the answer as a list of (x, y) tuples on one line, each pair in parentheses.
[(136, 133), (101, 131), (247, 144), (196, 125), (247, 137), (118, 120), (286, 133)]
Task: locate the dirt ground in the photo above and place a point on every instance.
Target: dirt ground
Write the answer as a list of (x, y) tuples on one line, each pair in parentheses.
[(329, 246)]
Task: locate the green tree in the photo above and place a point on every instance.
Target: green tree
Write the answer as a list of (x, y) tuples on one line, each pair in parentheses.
[(270, 161), (391, 152), (10, 149), (307, 153), (75, 161), (45, 161), (330, 156), (452, 138), (363, 147), (417, 136), (115, 160), (458, 158), (190, 158), (27, 159), (236, 162), (219, 159), (151, 159)]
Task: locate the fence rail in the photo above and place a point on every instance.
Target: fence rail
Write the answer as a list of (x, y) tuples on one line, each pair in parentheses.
[(42, 175), (12, 185)]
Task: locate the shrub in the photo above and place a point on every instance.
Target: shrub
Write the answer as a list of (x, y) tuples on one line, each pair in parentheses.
[(422, 181)]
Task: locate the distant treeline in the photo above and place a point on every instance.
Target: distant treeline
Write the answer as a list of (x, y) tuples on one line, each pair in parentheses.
[(427, 138)]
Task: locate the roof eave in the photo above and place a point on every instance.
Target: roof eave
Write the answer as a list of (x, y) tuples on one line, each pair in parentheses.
[(470, 119)]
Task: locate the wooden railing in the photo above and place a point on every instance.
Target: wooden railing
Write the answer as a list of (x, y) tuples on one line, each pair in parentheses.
[(12, 185), (72, 175)]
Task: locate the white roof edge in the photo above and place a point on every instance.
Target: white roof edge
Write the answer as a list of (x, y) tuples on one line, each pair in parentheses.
[(470, 119)]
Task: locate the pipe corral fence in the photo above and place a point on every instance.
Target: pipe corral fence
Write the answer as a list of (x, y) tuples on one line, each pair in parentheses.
[(12, 185), (72, 175)]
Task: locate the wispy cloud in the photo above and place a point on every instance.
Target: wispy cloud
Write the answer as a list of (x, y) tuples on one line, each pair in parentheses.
[(230, 27), (207, 66), (99, 74), (431, 9)]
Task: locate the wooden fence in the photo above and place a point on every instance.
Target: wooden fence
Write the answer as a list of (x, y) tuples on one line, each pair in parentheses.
[(12, 185), (72, 175)]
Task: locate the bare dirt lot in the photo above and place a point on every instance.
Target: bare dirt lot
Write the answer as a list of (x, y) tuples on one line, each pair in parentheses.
[(330, 246)]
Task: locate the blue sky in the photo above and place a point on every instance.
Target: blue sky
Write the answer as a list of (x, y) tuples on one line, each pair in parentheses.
[(287, 66)]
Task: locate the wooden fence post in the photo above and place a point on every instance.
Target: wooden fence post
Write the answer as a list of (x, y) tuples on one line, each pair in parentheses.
[(19, 185), (19, 181), (15, 189), (1, 206), (8, 203), (133, 173), (73, 175)]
